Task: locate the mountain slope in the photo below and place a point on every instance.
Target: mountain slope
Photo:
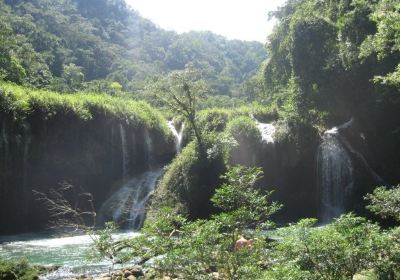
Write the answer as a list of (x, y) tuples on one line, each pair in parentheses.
[(63, 44)]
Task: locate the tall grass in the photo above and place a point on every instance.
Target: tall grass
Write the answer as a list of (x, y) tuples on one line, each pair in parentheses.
[(21, 102)]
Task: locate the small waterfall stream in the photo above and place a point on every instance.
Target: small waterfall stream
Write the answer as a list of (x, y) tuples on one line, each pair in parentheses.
[(128, 204), (334, 173), (27, 142), (148, 145), (267, 131), (125, 152), (178, 135)]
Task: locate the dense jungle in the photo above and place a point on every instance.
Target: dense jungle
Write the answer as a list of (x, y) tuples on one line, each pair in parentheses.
[(128, 151)]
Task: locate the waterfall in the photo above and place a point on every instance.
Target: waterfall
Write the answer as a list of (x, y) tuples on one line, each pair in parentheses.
[(128, 204), (178, 135), (267, 131), (125, 152), (112, 146), (334, 173), (148, 145), (27, 142)]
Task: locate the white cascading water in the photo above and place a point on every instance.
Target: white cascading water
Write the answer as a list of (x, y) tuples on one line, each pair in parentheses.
[(148, 145), (128, 204), (178, 135), (334, 173), (125, 152), (267, 131)]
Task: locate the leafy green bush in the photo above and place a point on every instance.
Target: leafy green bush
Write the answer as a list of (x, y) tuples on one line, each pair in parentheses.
[(202, 249), (385, 202), (214, 119), (244, 130), (17, 270), (348, 246), (190, 179), (248, 141)]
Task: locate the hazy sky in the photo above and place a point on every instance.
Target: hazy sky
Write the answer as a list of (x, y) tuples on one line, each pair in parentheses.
[(235, 19)]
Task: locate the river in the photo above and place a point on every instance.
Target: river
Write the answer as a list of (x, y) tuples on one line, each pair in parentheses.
[(70, 253)]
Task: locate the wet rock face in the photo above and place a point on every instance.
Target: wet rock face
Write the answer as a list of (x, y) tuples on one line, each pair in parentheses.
[(40, 152), (289, 169)]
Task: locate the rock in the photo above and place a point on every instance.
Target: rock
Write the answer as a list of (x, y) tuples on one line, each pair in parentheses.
[(215, 275), (131, 277), (117, 273), (127, 273), (84, 277), (137, 271)]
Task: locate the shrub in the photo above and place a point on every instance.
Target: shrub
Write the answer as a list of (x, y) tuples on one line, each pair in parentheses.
[(214, 119), (17, 270), (197, 249), (190, 180), (385, 202), (244, 130), (348, 246)]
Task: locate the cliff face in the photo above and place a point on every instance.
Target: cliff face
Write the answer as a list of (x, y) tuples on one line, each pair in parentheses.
[(43, 150)]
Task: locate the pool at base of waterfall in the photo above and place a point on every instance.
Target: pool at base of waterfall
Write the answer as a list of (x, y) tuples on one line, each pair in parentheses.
[(70, 253)]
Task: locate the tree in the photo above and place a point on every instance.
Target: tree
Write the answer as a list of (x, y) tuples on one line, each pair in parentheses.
[(385, 42), (73, 76), (196, 249), (385, 202), (181, 91)]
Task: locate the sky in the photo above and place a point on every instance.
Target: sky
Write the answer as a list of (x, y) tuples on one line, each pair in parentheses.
[(234, 19)]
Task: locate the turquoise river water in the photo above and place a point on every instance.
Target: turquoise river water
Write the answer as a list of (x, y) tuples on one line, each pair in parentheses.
[(71, 253)]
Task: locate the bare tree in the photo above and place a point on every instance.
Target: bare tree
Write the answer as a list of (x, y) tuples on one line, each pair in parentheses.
[(69, 209), (74, 211)]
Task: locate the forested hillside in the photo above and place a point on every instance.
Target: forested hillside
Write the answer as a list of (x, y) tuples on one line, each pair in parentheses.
[(330, 61), (232, 161), (69, 45)]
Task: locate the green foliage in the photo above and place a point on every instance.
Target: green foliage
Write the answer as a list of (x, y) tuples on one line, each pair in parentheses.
[(190, 179), (21, 102), (385, 202), (348, 246), (73, 76), (244, 130), (217, 118), (60, 45), (17, 270), (242, 203), (214, 119), (181, 91), (197, 249), (321, 49), (386, 41)]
